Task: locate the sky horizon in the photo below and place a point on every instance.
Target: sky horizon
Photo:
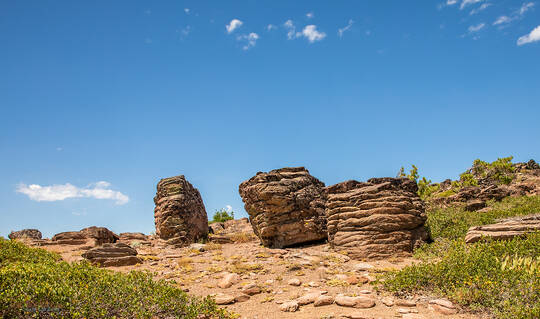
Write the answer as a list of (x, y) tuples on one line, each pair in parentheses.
[(101, 100)]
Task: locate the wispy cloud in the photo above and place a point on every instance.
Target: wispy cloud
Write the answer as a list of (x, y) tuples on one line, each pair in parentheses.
[(99, 190), (347, 27), (483, 7), (233, 25), (533, 36), (310, 32), (476, 28), (187, 10), (502, 20), (291, 29), (451, 2), (525, 7), (310, 15), (466, 3), (516, 15), (249, 39), (184, 32), (270, 27)]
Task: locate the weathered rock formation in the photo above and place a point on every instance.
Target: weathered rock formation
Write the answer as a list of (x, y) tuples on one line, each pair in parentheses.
[(92, 236), (285, 206), (505, 229), (380, 218), (109, 255), (231, 231), (179, 215), (132, 236), (25, 234)]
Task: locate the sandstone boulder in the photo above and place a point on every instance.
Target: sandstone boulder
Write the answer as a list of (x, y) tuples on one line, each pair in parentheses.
[(109, 255), (180, 216), (92, 236), (505, 229), (285, 206), (25, 234), (132, 236), (380, 218)]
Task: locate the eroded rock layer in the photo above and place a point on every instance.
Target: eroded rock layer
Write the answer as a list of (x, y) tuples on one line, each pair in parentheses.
[(380, 218), (179, 215), (109, 255), (92, 236), (25, 234), (285, 206), (505, 229)]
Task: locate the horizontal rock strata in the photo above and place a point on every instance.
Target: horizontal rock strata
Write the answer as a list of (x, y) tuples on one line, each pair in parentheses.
[(285, 206), (505, 229), (380, 218), (26, 234), (179, 215), (92, 236), (112, 255)]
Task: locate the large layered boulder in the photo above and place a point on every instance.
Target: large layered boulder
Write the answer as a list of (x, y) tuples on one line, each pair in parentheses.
[(112, 255), (179, 215), (25, 234), (380, 218), (92, 236), (505, 229), (285, 206)]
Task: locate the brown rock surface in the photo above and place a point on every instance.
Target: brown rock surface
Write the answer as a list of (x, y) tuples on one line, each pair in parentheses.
[(180, 216), (286, 206), (108, 255), (380, 218), (25, 233), (132, 236), (92, 236), (505, 229)]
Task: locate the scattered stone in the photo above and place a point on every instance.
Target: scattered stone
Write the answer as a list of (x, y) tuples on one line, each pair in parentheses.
[(443, 306), (362, 267), (251, 289), (407, 310), (180, 216), (474, 205), (308, 298), (405, 303), (25, 233), (505, 229), (323, 300), (356, 302), (223, 299), (313, 284), (90, 236), (112, 255), (289, 306), (411, 316), (352, 280), (132, 236), (286, 207), (387, 301), (294, 282), (228, 280), (381, 218), (241, 298), (354, 316), (198, 247)]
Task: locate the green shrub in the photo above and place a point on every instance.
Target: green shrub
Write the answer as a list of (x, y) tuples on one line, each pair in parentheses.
[(33, 283), (425, 187), (499, 171), (221, 216), (501, 276)]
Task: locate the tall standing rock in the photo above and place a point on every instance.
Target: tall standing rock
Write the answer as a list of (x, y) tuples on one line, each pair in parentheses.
[(378, 219), (179, 215), (286, 206)]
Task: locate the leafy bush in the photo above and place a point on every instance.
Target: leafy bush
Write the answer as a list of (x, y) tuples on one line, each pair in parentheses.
[(221, 216), (425, 187), (499, 171), (33, 283), (503, 276)]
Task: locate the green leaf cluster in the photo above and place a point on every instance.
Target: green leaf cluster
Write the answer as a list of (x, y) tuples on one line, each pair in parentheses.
[(221, 216)]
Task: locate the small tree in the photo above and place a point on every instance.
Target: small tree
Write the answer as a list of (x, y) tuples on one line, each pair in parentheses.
[(221, 216)]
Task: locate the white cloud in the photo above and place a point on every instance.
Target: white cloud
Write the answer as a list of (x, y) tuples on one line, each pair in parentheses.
[(229, 208), (525, 7), (501, 20), (465, 3), (533, 36), (250, 39), (291, 29), (451, 2), (270, 27), (483, 7), (99, 190), (233, 25), (476, 28), (310, 32), (187, 10), (310, 15), (341, 30), (185, 31)]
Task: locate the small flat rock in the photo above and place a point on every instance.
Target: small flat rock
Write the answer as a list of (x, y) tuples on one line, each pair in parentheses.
[(387, 301), (294, 282), (365, 292), (308, 298), (241, 298), (407, 310), (412, 316), (323, 300), (443, 306), (228, 280), (251, 289), (405, 303), (356, 302), (362, 267), (313, 284), (222, 299), (354, 316), (198, 247), (289, 306), (352, 280)]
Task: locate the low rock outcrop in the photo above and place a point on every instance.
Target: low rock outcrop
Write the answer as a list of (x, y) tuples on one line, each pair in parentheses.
[(380, 218), (112, 255), (25, 234), (179, 215), (92, 236), (505, 229), (285, 206)]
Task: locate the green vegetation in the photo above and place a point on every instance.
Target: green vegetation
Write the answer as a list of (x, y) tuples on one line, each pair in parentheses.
[(425, 187), (502, 277), (221, 216), (500, 171), (34, 283)]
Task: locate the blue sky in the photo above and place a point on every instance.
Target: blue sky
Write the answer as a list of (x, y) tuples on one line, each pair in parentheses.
[(101, 99)]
